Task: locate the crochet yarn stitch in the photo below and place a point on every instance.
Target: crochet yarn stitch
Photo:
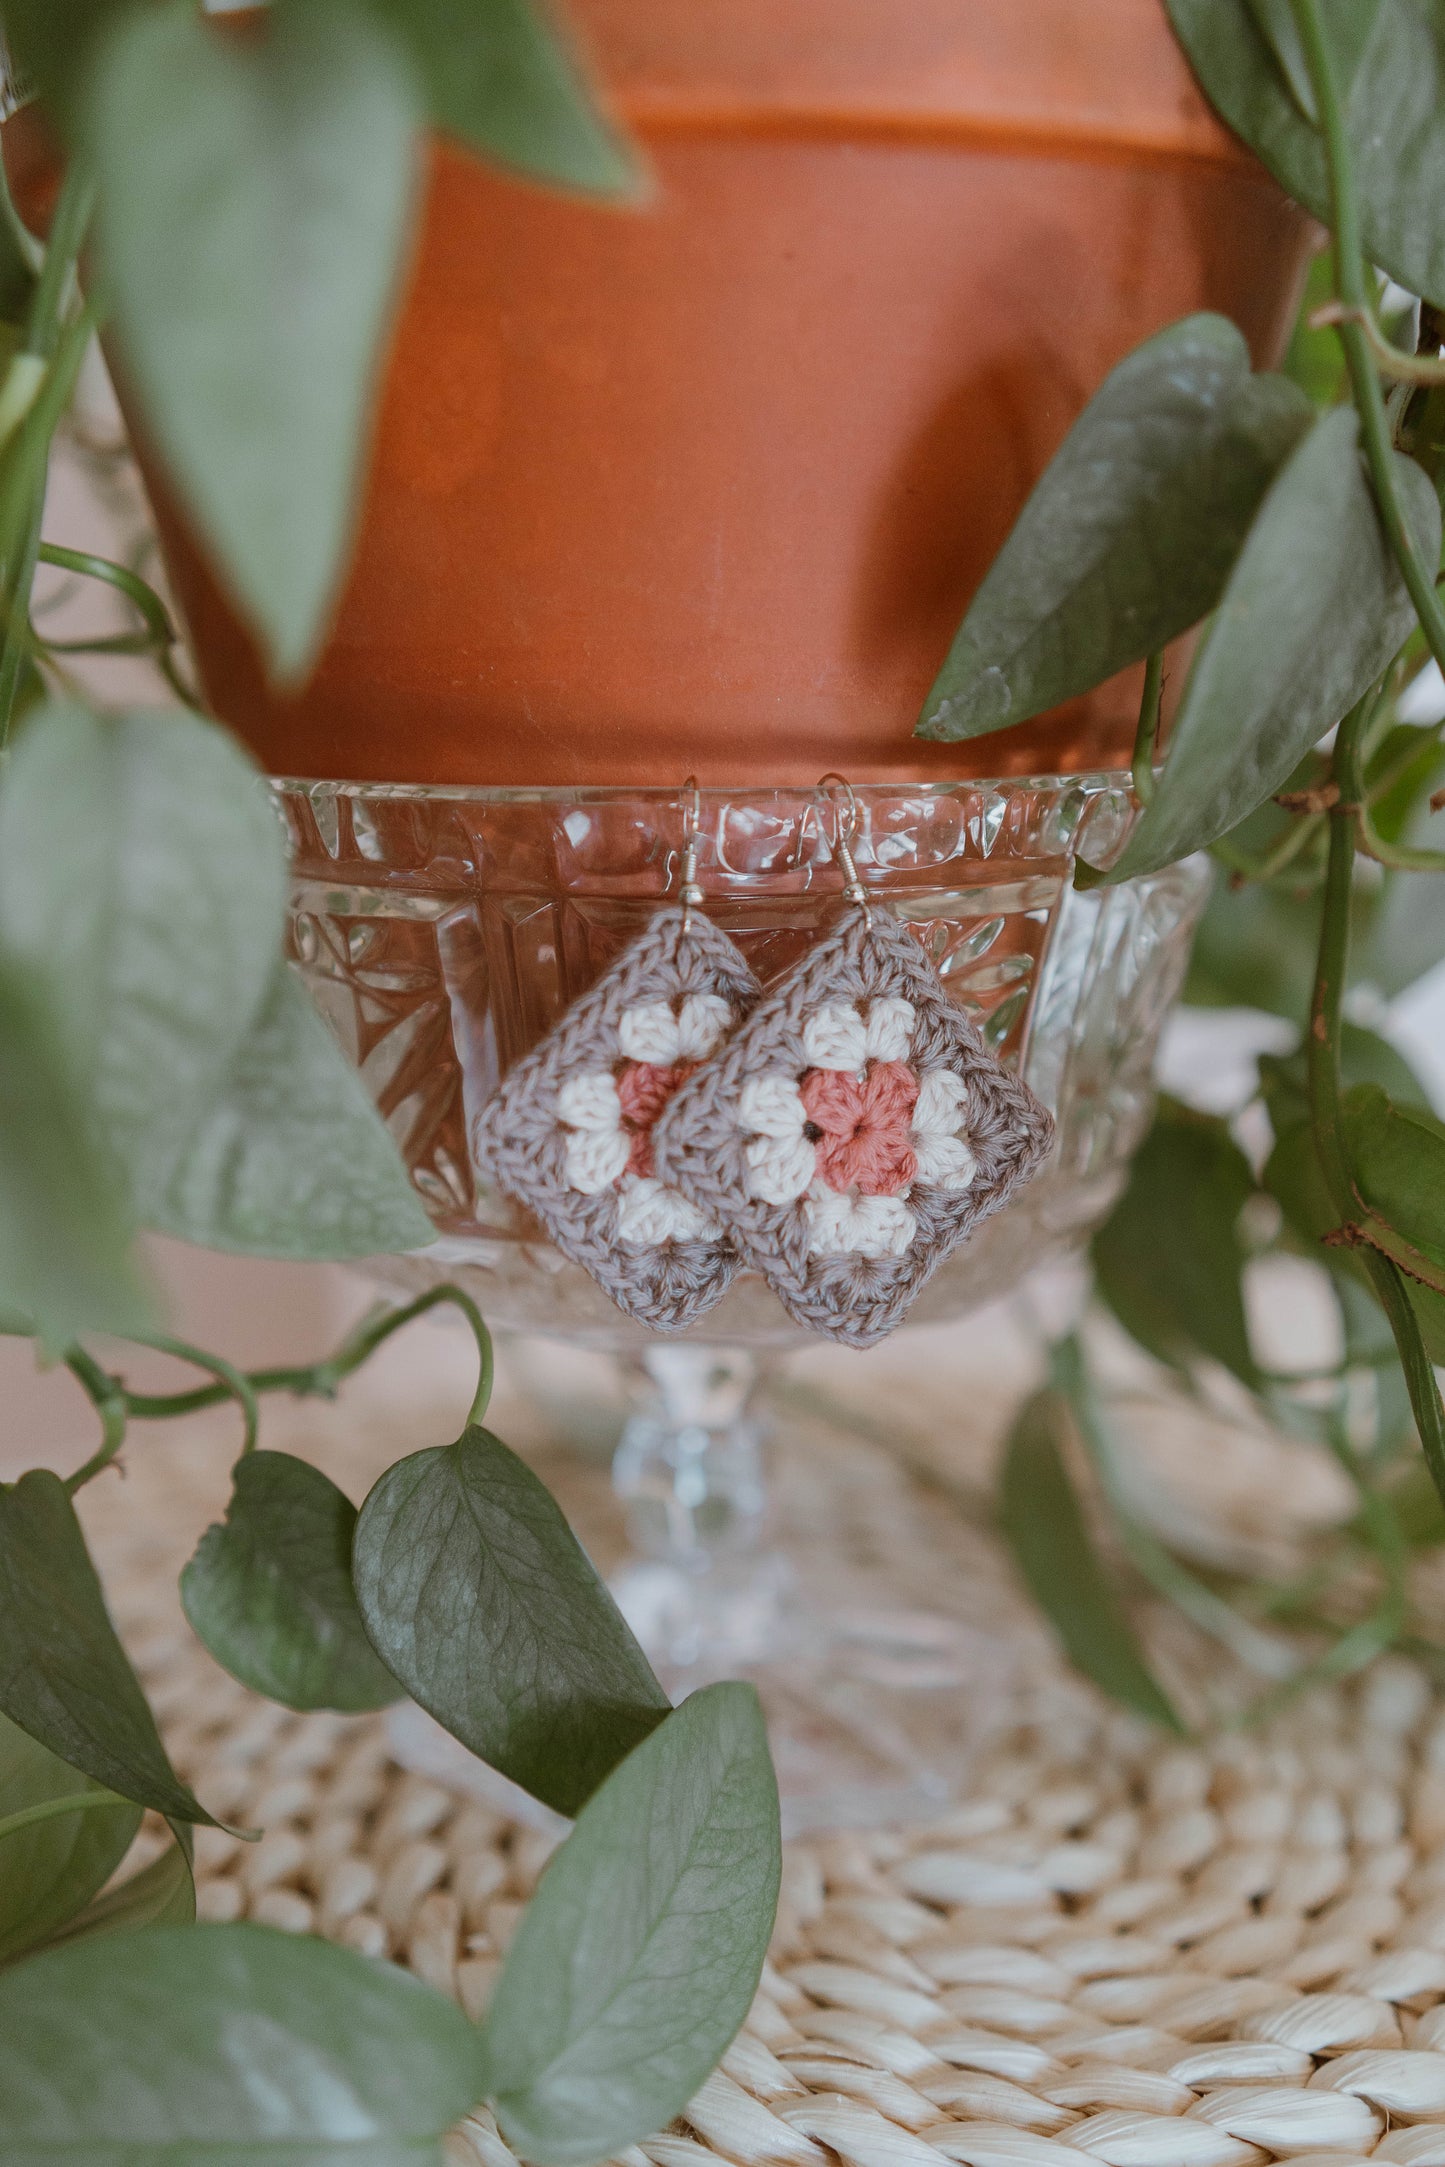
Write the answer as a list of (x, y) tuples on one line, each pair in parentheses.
[(569, 1134), (853, 1132)]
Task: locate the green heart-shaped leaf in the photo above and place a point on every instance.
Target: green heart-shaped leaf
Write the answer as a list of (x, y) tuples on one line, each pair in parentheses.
[(290, 1158), (143, 875), (1169, 1258), (500, 78), (1397, 1162), (1429, 1308), (1365, 1057), (50, 1870), (1349, 25), (1407, 928), (638, 1957), (52, 40), (481, 1600), (497, 74), (1045, 1530), (64, 1677), (197, 2045), (64, 1232), (1314, 609), (1256, 948), (1294, 1177), (1128, 536), (270, 1594), (161, 1894), (1395, 116), (255, 199)]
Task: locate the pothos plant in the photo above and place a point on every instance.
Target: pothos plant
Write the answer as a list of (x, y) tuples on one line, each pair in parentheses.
[(1299, 515), (241, 199), (160, 1068)]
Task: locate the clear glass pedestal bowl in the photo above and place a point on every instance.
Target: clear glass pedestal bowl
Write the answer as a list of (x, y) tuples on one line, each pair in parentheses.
[(443, 931)]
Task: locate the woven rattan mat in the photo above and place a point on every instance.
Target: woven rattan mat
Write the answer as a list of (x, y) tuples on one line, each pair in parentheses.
[(1156, 1955)]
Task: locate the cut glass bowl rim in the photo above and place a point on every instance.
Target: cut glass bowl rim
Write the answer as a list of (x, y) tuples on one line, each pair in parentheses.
[(1091, 781)]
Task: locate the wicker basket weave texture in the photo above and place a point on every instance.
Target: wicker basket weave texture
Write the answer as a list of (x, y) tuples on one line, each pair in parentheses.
[(1156, 1955)]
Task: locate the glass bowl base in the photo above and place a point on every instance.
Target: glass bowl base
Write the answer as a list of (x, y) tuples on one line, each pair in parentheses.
[(874, 1715), (875, 1709), (839, 1588)]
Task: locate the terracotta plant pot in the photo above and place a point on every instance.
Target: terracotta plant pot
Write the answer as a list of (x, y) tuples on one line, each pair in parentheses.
[(706, 485)]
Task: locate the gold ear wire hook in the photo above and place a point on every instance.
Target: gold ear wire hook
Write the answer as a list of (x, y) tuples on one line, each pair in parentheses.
[(844, 837), (690, 893)]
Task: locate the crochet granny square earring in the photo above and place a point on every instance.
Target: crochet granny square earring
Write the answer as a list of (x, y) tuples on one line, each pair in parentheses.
[(855, 1129), (569, 1134)]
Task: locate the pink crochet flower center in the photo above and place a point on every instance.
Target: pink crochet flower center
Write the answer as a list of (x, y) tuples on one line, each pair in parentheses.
[(867, 1128), (644, 1088)]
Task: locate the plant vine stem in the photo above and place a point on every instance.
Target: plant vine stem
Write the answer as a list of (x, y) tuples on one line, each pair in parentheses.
[(20, 578), (1292, 1598), (1258, 1650), (1351, 290), (159, 638), (1327, 1004), (108, 1396), (1301, 830), (1401, 765), (48, 1809), (27, 461), (1326, 1024), (1146, 736), (62, 251), (1356, 1647), (231, 1379), (137, 591), (1419, 1372), (1401, 857), (1382, 1523), (1381, 1628), (370, 1334), (1405, 368), (46, 352), (117, 1405)]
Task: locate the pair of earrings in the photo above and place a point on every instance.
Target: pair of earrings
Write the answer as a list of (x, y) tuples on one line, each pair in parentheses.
[(841, 1134)]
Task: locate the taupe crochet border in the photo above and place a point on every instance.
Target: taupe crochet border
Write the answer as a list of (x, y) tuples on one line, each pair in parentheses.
[(700, 1149), (518, 1138)]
